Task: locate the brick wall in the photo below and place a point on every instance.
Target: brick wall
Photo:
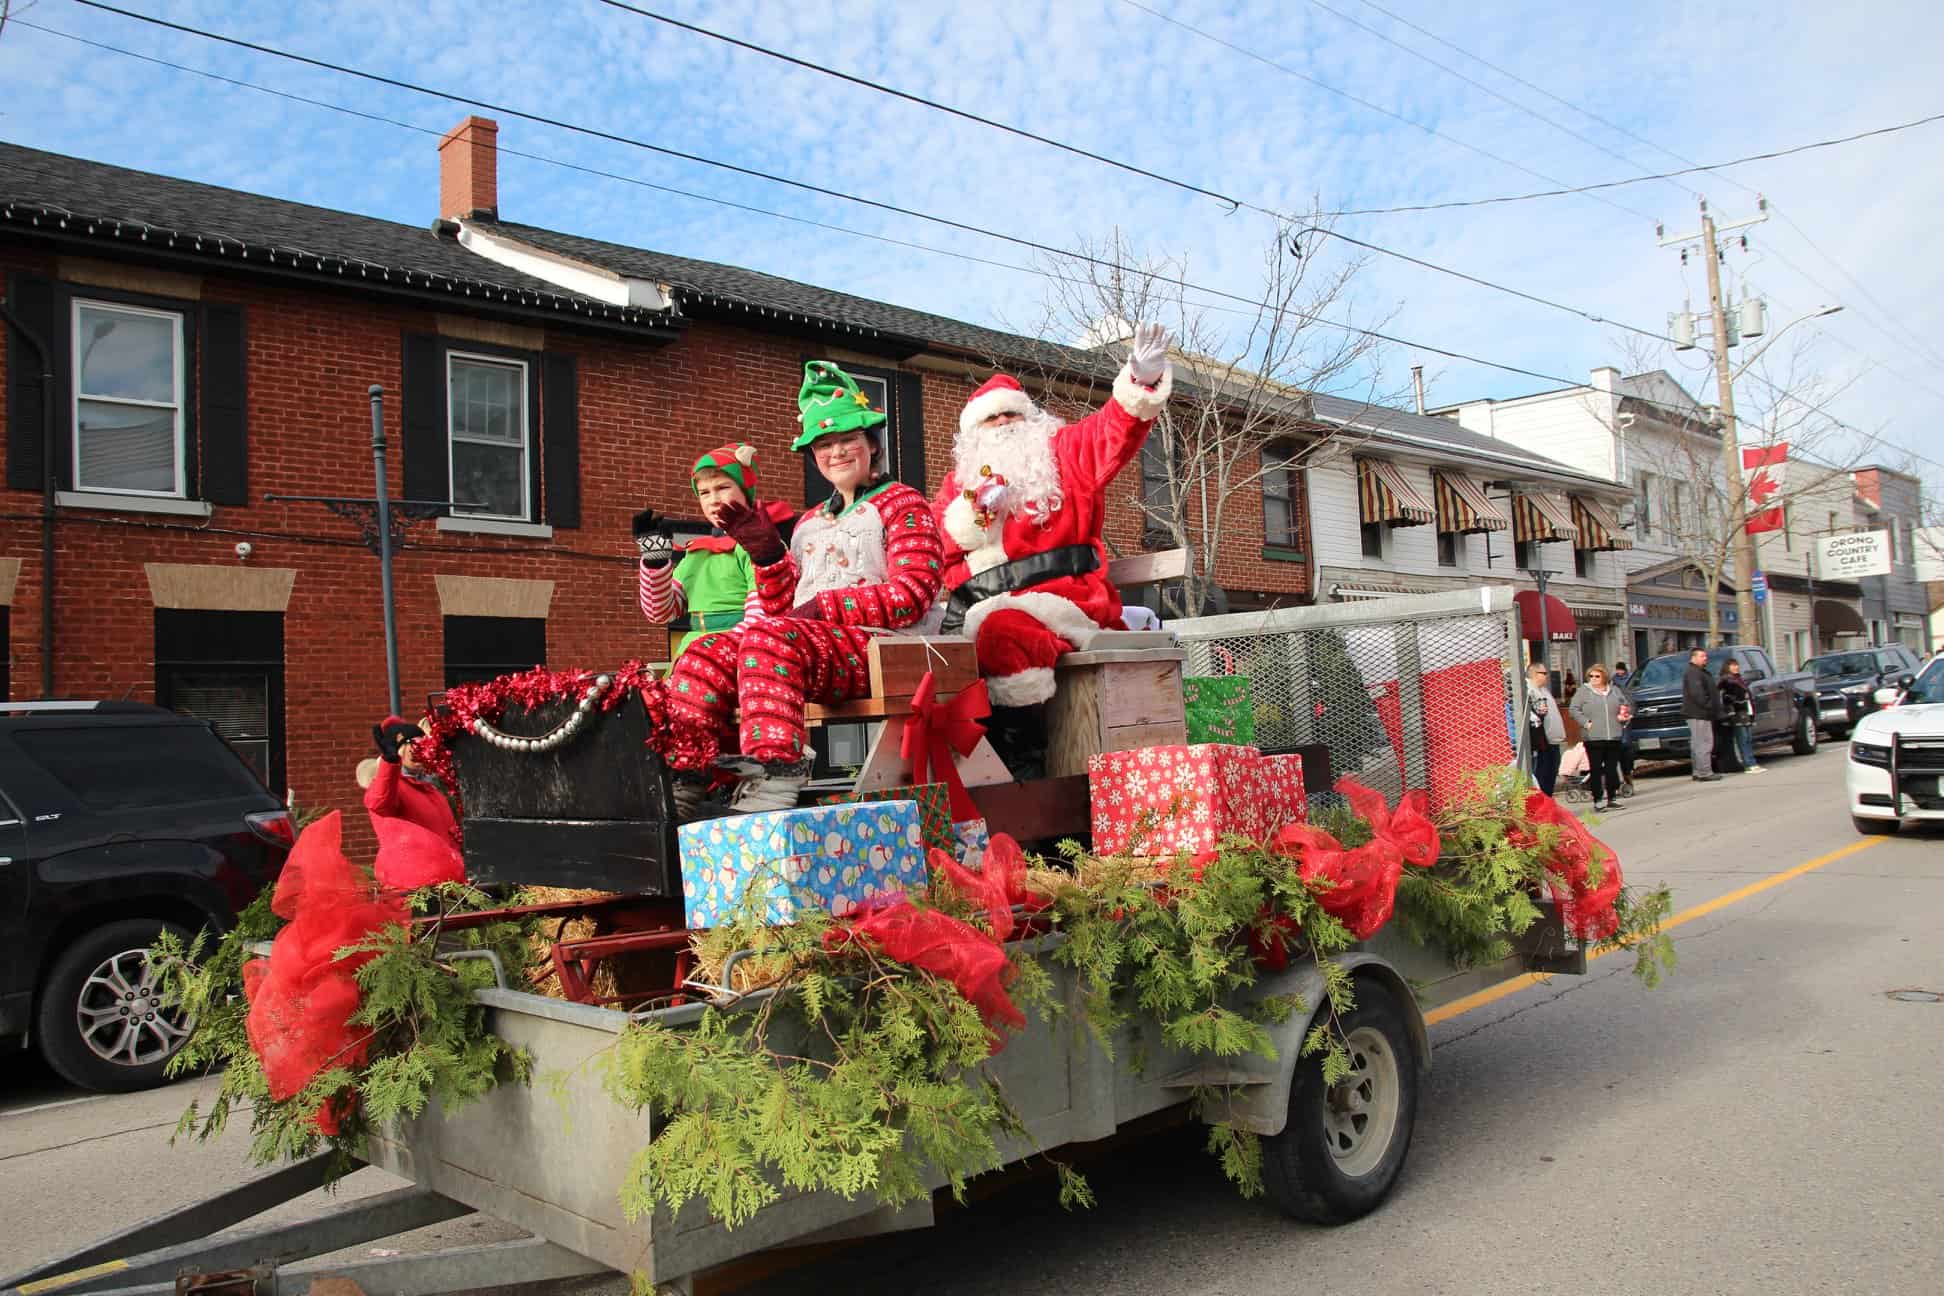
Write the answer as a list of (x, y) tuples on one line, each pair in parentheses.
[(645, 412)]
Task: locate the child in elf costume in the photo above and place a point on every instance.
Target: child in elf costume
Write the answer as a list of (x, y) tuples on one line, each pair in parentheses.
[(714, 583), (868, 557)]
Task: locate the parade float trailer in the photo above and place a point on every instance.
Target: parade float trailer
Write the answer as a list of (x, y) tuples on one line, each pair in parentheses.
[(1411, 692)]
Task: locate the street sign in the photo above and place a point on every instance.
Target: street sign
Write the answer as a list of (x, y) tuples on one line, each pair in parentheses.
[(1758, 587), (1849, 557)]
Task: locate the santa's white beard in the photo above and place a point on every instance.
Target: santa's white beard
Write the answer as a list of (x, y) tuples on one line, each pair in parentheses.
[(1020, 452)]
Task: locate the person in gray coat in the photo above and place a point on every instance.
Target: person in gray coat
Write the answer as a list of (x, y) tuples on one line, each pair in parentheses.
[(1701, 708), (1602, 709)]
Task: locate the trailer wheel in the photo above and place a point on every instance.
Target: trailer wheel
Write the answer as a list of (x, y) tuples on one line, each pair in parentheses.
[(1343, 1147)]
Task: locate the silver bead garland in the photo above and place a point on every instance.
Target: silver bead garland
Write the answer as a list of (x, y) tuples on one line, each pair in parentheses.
[(559, 736)]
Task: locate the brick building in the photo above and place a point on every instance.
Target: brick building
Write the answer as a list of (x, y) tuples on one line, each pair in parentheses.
[(207, 348)]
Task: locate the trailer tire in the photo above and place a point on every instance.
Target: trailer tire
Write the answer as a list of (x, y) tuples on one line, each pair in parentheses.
[(1344, 1145)]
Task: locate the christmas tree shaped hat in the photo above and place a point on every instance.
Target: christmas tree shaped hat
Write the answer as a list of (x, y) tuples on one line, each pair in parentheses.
[(829, 402)]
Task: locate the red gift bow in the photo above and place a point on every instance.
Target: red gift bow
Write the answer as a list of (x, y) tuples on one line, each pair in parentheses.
[(937, 730)]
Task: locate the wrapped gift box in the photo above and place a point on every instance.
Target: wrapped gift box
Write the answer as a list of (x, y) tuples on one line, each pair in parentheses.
[(1159, 800), (934, 809), (830, 857), (1283, 798), (1219, 709)]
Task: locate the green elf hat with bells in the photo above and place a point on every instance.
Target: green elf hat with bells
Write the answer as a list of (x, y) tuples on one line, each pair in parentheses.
[(736, 461), (830, 403)]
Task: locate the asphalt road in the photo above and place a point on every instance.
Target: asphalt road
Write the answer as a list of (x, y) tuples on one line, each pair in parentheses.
[(1766, 1121)]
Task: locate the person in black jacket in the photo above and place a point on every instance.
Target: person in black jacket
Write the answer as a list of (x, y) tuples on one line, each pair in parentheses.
[(1701, 708)]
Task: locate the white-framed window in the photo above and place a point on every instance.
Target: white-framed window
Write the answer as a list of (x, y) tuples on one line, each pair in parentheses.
[(129, 382), (489, 439)]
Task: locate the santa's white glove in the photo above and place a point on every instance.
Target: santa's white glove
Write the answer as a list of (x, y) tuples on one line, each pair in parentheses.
[(1147, 357)]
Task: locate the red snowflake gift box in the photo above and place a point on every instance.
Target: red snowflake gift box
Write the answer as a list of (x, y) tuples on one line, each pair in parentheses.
[(1160, 800)]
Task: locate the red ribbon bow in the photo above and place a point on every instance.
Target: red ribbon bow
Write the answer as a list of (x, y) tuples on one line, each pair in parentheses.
[(937, 730)]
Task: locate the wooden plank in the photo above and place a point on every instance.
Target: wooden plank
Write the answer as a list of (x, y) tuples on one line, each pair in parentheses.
[(1073, 728), (1050, 807), (1165, 733), (1148, 568), (1117, 656), (899, 662), (885, 765), (1140, 693), (867, 708)]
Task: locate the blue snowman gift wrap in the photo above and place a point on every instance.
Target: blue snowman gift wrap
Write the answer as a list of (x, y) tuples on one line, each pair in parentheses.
[(832, 857)]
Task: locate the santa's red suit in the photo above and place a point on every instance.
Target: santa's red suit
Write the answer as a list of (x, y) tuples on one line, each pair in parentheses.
[(1021, 512)]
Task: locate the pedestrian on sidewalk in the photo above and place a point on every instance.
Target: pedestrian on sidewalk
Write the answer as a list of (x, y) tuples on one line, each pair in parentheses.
[(1602, 711), (1701, 708), (1738, 711), (1545, 731)]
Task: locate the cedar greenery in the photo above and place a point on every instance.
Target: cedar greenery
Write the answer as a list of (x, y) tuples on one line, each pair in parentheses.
[(429, 1033)]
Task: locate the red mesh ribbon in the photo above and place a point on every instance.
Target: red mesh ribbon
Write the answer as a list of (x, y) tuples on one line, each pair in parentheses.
[(975, 963), (1363, 880), (996, 886), (1587, 910), (302, 996), (939, 729)]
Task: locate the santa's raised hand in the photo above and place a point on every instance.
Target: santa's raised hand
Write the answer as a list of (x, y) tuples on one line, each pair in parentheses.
[(1147, 355)]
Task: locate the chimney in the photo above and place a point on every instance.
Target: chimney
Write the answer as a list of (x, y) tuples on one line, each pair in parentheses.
[(469, 170), (1417, 385), (1606, 378)]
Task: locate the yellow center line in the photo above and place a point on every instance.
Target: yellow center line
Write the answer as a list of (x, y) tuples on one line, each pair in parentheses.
[(1457, 1007)]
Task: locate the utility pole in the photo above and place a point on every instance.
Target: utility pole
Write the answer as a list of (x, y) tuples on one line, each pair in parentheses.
[(1742, 544)]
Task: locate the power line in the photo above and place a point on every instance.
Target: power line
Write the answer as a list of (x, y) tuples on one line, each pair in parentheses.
[(1907, 338), (1102, 263), (1047, 249), (1378, 108), (1475, 83), (933, 104)]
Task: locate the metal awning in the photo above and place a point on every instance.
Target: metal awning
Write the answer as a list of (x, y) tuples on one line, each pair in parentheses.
[(1384, 496), (1542, 518), (1463, 505), (1598, 528), (1354, 593), (1596, 613), (1833, 618)]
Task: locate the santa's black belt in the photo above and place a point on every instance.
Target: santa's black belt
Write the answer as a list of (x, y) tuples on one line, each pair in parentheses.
[(1018, 575)]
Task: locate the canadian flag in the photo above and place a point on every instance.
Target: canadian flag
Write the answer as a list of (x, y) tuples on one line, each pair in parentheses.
[(1765, 469)]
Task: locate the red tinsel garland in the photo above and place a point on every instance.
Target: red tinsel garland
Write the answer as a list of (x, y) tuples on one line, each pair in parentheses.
[(466, 703)]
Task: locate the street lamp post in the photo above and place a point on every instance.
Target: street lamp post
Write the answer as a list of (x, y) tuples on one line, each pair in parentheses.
[(1743, 543)]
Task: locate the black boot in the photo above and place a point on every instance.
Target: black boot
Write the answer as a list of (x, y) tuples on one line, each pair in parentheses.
[(1018, 735)]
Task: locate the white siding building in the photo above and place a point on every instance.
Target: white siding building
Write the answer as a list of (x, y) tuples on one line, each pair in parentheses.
[(1403, 503)]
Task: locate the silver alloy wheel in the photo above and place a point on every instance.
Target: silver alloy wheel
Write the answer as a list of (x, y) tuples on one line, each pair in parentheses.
[(1360, 1111), (121, 1016), (1810, 736)]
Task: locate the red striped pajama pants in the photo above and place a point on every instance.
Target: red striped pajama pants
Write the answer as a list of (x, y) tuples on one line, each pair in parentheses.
[(761, 672)]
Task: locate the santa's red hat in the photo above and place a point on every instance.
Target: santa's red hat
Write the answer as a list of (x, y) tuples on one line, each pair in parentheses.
[(999, 394)]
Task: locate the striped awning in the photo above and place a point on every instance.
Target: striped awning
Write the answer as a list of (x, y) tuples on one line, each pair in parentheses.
[(1384, 496), (1542, 518), (1463, 505), (1598, 528)]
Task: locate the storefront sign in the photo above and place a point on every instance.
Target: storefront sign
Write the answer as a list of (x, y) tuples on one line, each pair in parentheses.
[(1858, 554), (1683, 613)]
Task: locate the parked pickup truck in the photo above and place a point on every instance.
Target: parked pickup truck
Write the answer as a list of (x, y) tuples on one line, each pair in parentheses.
[(1785, 705), (1847, 682)]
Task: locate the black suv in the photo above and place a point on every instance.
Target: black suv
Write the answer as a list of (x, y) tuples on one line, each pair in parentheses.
[(1847, 682), (118, 821)]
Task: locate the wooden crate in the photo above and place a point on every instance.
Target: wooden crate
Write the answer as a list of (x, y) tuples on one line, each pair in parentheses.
[(1114, 699)]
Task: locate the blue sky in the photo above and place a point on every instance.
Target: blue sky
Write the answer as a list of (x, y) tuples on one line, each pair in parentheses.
[(1706, 82)]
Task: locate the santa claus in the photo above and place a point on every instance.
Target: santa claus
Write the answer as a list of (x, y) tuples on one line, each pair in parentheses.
[(1021, 512)]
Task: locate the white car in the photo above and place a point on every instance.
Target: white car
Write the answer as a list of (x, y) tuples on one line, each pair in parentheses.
[(1907, 737)]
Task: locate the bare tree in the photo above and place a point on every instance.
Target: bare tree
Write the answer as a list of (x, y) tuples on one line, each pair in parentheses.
[(1244, 375), (1779, 403)]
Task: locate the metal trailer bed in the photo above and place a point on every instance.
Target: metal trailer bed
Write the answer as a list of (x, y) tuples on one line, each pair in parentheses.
[(550, 1157)]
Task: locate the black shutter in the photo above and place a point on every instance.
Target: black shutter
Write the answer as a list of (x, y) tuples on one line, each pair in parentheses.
[(191, 385), (908, 407), (422, 407), (560, 438), (225, 420), (536, 434), (35, 301)]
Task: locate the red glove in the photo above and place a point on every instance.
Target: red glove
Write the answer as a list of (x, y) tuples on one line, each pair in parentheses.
[(754, 532)]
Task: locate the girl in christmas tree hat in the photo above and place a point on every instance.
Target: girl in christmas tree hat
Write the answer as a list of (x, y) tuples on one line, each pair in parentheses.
[(714, 583), (868, 558)]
